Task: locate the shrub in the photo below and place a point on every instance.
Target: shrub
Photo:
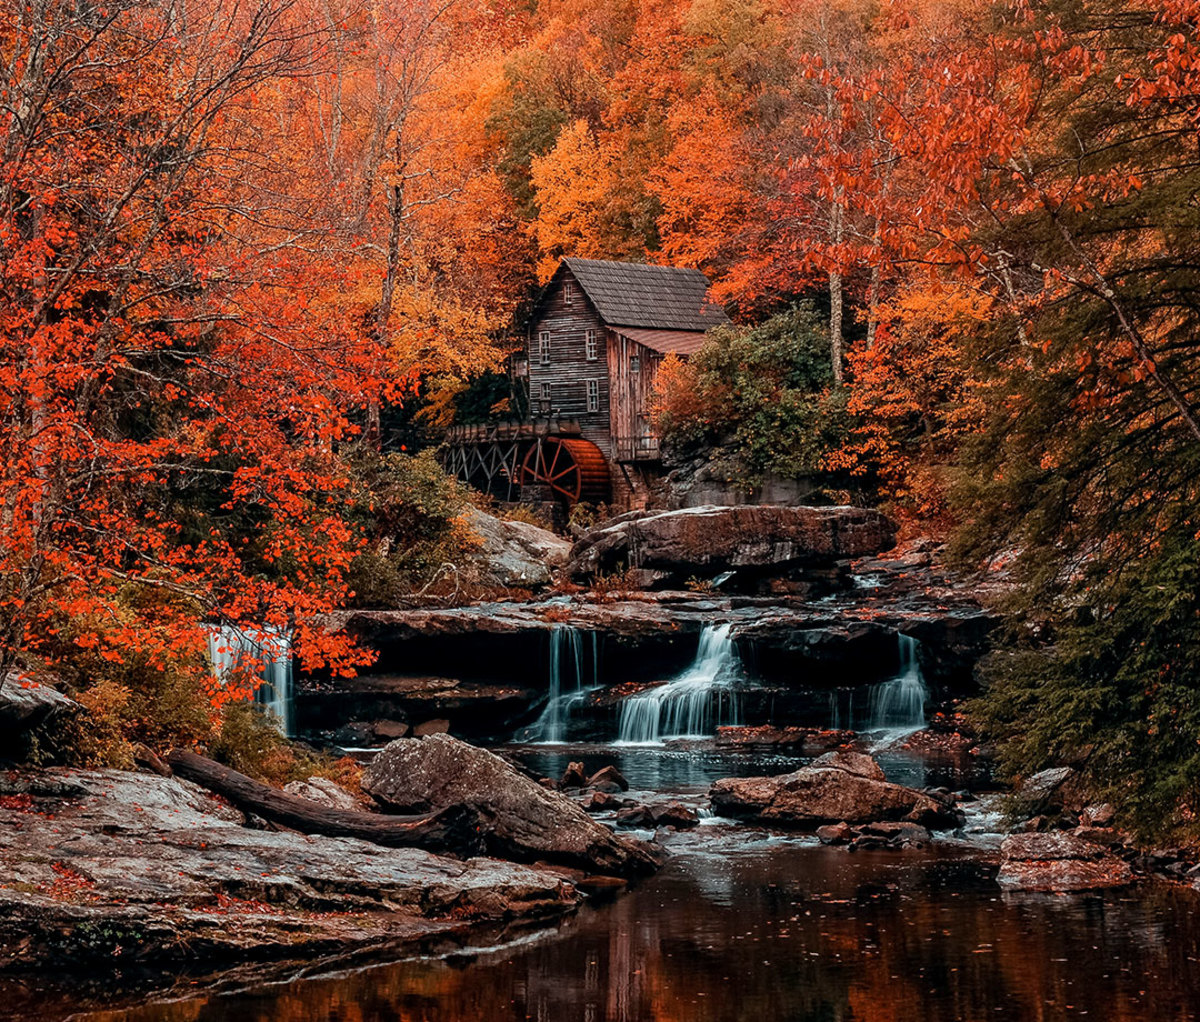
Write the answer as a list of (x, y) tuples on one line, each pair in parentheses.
[(765, 392)]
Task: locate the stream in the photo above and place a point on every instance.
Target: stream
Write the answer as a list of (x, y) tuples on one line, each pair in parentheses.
[(741, 924), (747, 924)]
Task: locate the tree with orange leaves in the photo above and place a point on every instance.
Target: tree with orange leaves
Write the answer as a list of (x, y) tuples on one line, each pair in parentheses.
[(168, 396)]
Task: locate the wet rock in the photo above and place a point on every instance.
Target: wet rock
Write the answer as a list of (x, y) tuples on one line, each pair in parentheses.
[(608, 775), (1059, 861), (675, 814), (432, 727), (898, 833), (389, 730), (324, 792), (383, 706), (515, 555), (573, 776), (602, 802), (711, 539), (523, 820), (816, 795), (806, 738), (134, 868), (607, 787), (635, 816), (857, 763), (1042, 792), (835, 833)]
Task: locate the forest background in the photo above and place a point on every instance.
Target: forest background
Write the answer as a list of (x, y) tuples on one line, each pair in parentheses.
[(248, 249)]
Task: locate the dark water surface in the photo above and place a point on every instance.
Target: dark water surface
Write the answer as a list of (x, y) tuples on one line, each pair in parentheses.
[(776, 931), (742, 926)]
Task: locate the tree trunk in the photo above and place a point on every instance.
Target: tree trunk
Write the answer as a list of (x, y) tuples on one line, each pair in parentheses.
[(453, 830)]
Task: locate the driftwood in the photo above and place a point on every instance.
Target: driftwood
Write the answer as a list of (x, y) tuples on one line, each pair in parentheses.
[(454, 830)]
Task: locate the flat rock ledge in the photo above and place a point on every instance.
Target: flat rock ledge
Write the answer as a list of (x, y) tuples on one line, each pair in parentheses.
[(839, 787), (131, 868), (1059, 861)]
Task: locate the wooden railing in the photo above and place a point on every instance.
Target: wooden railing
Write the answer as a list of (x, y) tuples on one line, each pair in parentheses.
[(637, 448), (512, 430)]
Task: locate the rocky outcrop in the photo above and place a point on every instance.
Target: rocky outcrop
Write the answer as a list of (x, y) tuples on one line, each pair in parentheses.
[(705, 541), (838, 788), (25, 704), (515, 555), (376, 708), (521, 819), (1059, 861), (129, 868)]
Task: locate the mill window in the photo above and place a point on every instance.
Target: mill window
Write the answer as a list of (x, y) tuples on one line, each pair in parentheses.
[(593, 395), (544, 348), (589, 345), (635, 364), (569, 292)]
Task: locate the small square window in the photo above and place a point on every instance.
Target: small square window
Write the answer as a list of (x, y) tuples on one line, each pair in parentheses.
[(544, 348), (589, 345), (593, 395), (635, 364)]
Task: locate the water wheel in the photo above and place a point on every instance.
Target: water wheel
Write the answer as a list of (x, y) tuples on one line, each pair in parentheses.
[(574, 470)]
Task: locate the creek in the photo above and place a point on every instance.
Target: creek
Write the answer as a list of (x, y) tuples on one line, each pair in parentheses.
[(743, 923)]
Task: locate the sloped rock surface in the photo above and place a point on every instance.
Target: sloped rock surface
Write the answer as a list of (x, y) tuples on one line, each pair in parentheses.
[(524, 821), (128, 867), (516, 555)]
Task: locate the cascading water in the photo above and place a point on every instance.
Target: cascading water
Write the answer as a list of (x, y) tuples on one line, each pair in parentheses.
[(900, 703), (269, 653), (895, 707), (566, 652), (692, 705)]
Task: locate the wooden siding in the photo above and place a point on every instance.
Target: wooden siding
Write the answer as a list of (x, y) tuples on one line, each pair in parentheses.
[(630, 397), (569, 368)]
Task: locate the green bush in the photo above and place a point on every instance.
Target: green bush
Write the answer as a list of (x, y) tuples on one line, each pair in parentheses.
[(764, 393), (410, 512), (1115, 692)]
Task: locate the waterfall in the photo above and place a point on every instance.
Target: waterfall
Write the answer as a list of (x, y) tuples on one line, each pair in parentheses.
[(692, 705), (899, 704), (566, 657), (269, 652)]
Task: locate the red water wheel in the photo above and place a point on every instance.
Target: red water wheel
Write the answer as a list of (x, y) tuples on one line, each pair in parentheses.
[(574, 470)]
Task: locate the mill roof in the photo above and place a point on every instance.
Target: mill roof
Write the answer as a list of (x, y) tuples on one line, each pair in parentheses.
[(651, 297)]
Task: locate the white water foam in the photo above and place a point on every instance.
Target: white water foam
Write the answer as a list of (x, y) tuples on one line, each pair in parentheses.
[(692, 705), (566, 657)]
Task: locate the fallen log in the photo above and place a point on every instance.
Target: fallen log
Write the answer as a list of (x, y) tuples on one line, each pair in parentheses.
[(454, 830)]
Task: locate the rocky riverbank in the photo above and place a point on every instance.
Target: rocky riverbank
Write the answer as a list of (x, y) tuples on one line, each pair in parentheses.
[(135, 868)]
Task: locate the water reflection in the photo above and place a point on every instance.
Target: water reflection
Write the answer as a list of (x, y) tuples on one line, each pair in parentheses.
[(791, 934)]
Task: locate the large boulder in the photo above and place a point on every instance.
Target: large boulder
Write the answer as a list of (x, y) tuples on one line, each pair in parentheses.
[(516, 555), (523, 820), (707, 540), (838, 788), (26, 704), (1059, 861)]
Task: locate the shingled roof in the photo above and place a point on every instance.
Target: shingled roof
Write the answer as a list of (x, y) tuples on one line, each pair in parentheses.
[(653, 297)]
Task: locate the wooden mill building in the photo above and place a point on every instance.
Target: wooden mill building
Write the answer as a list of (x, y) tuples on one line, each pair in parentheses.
[(598, 333)]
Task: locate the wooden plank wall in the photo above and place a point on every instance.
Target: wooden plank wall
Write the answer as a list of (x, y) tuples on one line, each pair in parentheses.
[(569, 368), (631, 392)]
